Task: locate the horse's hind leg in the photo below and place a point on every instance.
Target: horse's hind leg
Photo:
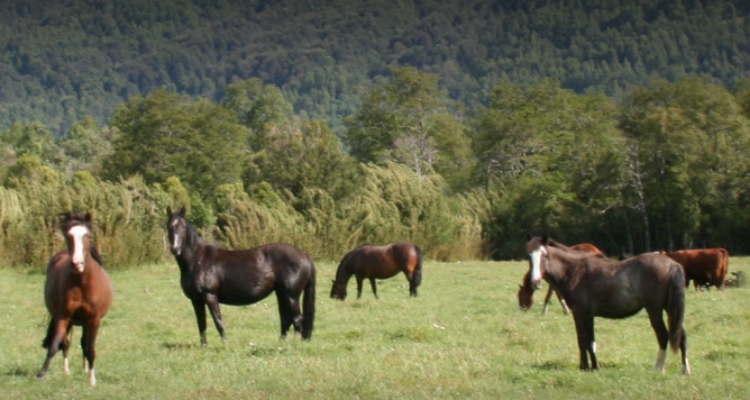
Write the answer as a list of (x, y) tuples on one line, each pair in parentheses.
[(547, 299), (374, 287), (662, 336), (289, 313), (683, 351)]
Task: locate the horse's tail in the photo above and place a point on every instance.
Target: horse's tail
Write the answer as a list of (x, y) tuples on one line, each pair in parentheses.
[(418, 269), (308, 305), (676, 305), (416, 278)]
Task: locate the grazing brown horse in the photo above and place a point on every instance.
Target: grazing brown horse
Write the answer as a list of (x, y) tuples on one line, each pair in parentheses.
[(599, 287), (77, 292), (210, 274), (705, 267), (526, 291), (378, 262)]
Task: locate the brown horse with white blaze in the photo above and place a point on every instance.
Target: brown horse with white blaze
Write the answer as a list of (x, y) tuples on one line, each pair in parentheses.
[(378, 262), (77, 292), (599, 287), (526, 290)]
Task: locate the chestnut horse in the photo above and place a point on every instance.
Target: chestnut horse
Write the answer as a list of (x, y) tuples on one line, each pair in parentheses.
[(526, 291), (211, 274), (77, 292), (599, 287), (378, 262)]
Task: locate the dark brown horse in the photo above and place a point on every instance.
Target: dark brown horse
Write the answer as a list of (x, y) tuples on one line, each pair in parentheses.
[(526, 291), (77, 292), (378, 262), (599, 287), (210, 275)]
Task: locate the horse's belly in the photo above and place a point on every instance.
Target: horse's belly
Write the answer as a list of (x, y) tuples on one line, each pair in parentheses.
[(234, 296), (617, 307)]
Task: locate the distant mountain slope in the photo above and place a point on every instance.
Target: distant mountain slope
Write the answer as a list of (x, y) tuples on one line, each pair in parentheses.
[(59, 62)]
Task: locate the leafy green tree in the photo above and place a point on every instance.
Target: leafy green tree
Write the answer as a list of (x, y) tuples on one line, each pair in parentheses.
[(30, 171), (31, 139), (299, 155), (258, 106), (552, 157), (686, 140), (166, 134), (408, 121), (86, 146)]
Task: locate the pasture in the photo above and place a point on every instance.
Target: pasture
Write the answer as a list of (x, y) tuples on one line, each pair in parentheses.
[(462, 338)]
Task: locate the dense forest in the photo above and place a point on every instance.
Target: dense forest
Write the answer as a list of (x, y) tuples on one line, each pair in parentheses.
[(61, 61), (328, 124)]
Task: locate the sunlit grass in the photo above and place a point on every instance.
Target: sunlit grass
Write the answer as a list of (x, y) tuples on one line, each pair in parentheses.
[(463, 337)]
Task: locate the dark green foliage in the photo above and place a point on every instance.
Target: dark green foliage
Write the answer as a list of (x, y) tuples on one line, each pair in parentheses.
[(166, 134), (60, 63)]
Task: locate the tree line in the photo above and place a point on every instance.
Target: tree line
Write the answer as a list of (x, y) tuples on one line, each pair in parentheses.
[(663, 169)]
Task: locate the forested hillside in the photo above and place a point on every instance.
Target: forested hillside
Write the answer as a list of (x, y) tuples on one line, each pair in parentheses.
[(61, 61)]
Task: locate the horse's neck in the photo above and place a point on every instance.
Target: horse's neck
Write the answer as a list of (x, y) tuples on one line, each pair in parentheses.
[(343, 273), (192, 251), (563, 266)]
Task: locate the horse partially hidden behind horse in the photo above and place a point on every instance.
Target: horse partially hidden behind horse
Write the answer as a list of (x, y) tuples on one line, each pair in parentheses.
[(77, 291), (378, 262), (526, 290), (211, 274), (599, 287)]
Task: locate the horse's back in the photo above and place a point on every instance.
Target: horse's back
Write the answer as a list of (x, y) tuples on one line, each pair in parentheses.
[(247, 276), (383, 262)]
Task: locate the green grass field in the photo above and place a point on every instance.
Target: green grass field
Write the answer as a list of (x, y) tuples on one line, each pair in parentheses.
[(462, 338)]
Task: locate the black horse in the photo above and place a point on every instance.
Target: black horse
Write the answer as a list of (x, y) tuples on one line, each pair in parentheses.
[(210, 274), (598, 287)]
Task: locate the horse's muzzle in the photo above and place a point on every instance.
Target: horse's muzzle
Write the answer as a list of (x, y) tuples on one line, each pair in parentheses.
[(80, 266)]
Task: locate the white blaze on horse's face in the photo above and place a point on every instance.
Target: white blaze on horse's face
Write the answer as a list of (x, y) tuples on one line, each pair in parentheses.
[(77, 233), (176, 245), (536, 268)]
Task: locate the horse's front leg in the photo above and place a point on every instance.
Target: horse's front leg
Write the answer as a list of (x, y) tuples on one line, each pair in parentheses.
[(359, 286), (200, 315), (88, 343), (586, 343), (374, 287), (213, 305), (53, 342)]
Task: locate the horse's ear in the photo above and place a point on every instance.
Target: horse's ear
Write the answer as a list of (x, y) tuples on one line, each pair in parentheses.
[(545, 240), (89, 217), (182, 211), (169, 211)]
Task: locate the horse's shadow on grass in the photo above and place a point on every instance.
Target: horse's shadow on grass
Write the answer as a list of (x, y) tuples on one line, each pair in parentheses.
[(18, 371), (172, 346), (255, 351), (563, 366)]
